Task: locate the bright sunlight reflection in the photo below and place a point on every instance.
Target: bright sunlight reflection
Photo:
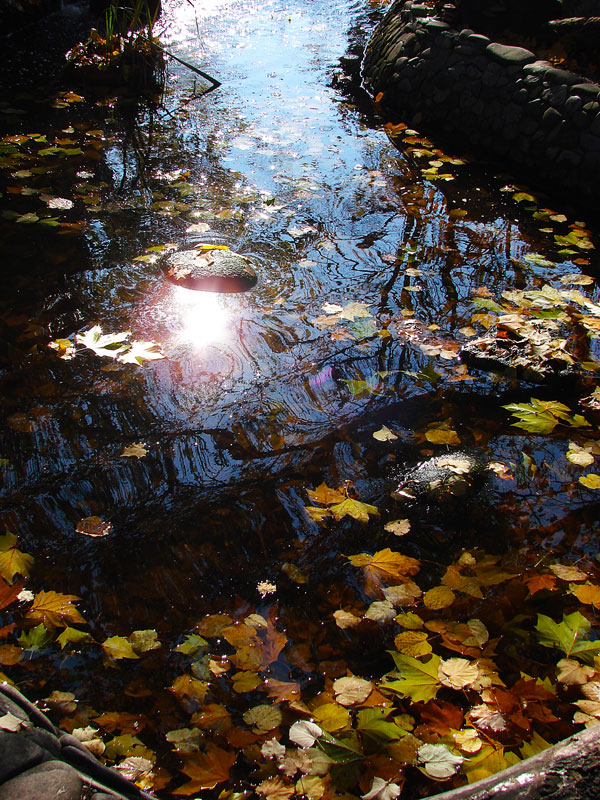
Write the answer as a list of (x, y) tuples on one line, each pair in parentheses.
[(203, 316)]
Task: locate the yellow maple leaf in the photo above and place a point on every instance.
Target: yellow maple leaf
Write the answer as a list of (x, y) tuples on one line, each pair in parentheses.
[(55, 610), (385, 565), (13, 561), (187, 686), (117, 647), (350, 507), (325, 495)]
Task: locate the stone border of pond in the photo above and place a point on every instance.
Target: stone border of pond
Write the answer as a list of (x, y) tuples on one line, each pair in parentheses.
[(497, 100), (40, 762), (570, 770)]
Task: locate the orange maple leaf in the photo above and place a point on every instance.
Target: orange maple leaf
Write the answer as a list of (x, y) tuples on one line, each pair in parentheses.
[(325, 495), (535, 583), (206, 770)]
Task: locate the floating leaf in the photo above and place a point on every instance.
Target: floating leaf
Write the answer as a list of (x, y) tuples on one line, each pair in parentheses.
[(442, 436), (263, 718), (590, 481), (206, 770), (458, 673), (570, 635), (399, 527), (572, 672), (325, 495), (332, 717), (55, 610), (305, 733), (412, 643), (587, 594), (275, 789), (568, 573), (351, 691), (353, 508), (382, 790), (418, 679), (438, 761), (136, 450), (384, 434), (140, 352), (345, 619), (71, 636), (93, 526), (439, 597), (117, 647), (12, 560), (380, 611)]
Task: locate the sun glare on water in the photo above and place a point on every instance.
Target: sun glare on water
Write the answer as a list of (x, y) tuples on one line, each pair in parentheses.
[(203, 316)]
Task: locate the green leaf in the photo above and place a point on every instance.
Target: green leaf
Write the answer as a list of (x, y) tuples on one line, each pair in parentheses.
[(341, 751), (373, 722), (418, 679), (570, 635), (37, 638), (71, 635), (539, 416)]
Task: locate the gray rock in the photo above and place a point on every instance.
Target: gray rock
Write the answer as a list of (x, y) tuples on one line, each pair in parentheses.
[(211, 271), (18, 754), (513, 55), (442, 479), (48, 781)]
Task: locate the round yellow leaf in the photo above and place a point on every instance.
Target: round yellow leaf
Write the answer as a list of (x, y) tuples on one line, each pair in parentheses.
[(412, 643), (439, 597), (458, 673), (263, 718)]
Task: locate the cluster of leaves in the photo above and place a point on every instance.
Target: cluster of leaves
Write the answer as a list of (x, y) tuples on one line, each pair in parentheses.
[(109, 345), (422, 149), (448, 704)]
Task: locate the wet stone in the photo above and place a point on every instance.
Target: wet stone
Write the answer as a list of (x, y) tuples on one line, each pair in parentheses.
[(45, 782), (17, 754), (442, 479), (211, 271), (513, 55)]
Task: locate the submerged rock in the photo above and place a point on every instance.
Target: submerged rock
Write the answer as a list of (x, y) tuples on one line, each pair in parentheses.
[(211, 270), (446, 477)]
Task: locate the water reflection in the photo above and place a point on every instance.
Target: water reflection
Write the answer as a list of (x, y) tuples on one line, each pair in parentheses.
[(203, 316)]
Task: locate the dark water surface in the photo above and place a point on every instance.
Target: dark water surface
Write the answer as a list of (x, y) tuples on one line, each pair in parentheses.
[(264, 393)]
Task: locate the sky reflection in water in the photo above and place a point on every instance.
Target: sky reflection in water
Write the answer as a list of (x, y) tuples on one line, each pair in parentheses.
[(203, 316)]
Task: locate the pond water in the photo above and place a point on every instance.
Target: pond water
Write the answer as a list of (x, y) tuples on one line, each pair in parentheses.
[(374, 266)]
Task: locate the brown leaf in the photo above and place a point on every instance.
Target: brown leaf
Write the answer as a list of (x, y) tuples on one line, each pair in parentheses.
[(212, 717), (282, 690), (8, 593), (206, 770), (440, 716), (121, 721)]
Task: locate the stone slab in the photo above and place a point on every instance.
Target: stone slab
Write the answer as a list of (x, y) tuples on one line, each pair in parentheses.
[(50, 781)]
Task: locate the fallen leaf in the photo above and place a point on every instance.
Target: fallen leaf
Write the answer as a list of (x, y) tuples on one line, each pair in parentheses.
[(458, 673), (572, 672), (134, 450), (399, 527), (275, 789), (345, 619), (325, 495), (54, 610), (206, 770), (567, 573), (412, 643), (384, 434), (439, 597), (351, 691), (117, 647), (382, 790), (263, 718), (93, 526), (353, 508), (438, 761), (305, 733), (12, 560)]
